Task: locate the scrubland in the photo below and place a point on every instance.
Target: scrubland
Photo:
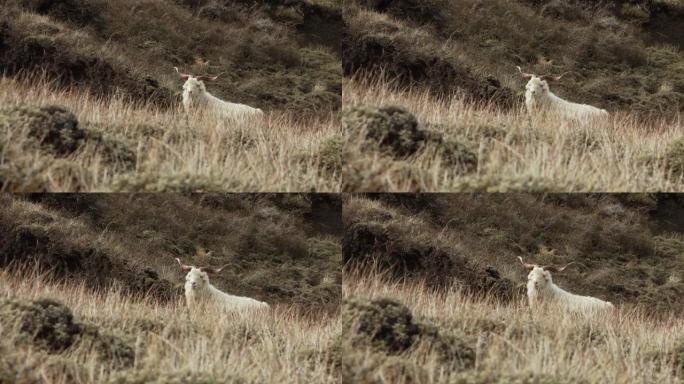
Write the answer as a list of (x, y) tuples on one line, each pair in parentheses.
[(70, 141), (404, 333), (111, 65), (90, 291), (62, 332), (434, 293), (450, 68), (483, 147)]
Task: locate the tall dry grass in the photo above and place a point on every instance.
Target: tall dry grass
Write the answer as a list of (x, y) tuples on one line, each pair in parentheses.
[(170, 344), (513, 346), (172, 151), (516, 152)]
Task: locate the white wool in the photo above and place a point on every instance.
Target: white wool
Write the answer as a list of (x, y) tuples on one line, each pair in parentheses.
[(540, 99), (199, 292), (197, 98), (541, 290)]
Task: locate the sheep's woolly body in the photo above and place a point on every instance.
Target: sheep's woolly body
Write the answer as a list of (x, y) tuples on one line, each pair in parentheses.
[(197, 98), (542, 290), (199, 292), (540, 99)]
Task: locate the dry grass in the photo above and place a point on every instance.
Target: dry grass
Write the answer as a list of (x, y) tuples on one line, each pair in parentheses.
[(515, 152), (169, 344), (512, 347), (172, 152)]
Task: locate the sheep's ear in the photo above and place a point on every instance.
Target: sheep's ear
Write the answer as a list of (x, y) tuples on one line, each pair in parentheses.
[(553, 78), (555, 269), (183, 266), (208, 78), (183, 76), (524, 264), (525, 75), (213, 270)]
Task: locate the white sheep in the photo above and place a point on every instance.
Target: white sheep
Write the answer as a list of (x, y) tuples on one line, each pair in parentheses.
[(197, 98), (540, 100), (541, 290), (199, 293)]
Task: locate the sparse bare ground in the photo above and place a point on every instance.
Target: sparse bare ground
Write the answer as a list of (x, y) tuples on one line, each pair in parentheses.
[(508, 345), (515, 152), (172, 152), (169, 345)]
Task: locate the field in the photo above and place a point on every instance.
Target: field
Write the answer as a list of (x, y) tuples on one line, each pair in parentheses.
[(116, 338), (434, 292), (503, 150), (90, 100), (406, 333), (433, 100), (90, 291), (128, 147)]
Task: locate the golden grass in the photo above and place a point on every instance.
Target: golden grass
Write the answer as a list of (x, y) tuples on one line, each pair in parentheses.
[(281, 347), (172, 151), (509, 342), (515, 152)]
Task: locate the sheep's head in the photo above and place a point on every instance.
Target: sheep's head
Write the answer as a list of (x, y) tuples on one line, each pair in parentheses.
[(197, 277), (194, 87), (194, 84), (540, 275), (536, 87), (538, 278), (538, 84)]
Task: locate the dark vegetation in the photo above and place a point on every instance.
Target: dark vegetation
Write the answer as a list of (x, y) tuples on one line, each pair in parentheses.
[(283, 249), (380, 333), (396, 130), (621, 54), (275, 54), (55, 133), (629, 249), (395, 133), (389, 329), (389, 326), (50, 326)]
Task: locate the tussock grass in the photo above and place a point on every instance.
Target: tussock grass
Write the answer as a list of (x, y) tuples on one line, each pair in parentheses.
[(627, 248), (172, 152), (170, 345), (515, 152), (510, 345)]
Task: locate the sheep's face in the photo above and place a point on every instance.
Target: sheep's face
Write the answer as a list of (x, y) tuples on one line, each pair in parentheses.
[(196, 280), (193, 87), (538, 279), (536, 87)]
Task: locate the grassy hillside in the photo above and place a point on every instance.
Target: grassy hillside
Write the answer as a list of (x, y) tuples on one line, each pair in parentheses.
[(452, 66), (434, 292), (267, 52), (281, 248), (405, 333), (623, 55), (629, 249), (65, 333), (111, 65), (90, 291), (113, 145)]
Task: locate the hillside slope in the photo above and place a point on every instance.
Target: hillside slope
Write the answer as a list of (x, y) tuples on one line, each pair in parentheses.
[(434, 293), (620, 55), (629, 249), (270, 54), (450, 68), (283, 249)]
